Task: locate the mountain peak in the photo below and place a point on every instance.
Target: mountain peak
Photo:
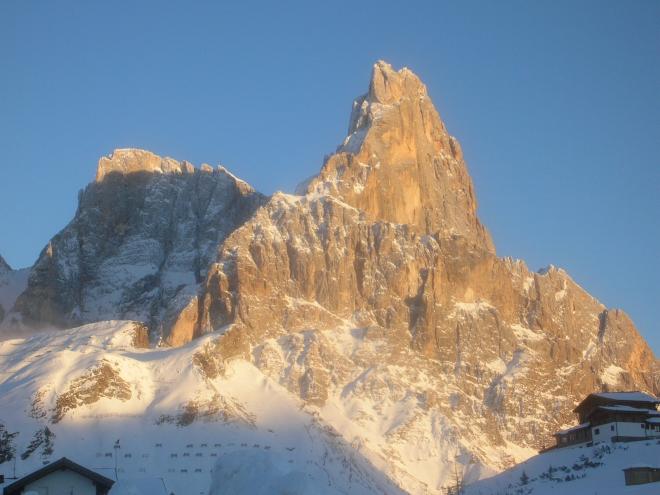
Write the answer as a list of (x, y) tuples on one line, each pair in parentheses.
[(399, 163), (389, 86), (132, 160)]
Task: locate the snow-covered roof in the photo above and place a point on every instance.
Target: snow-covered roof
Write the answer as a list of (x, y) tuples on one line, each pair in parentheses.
[(628, 396), (655, 421), (574, 428), (620, 408), (61, 464)]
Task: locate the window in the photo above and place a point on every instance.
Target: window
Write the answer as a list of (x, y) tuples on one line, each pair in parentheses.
[(612, 428), (643, 426), (597, 431)]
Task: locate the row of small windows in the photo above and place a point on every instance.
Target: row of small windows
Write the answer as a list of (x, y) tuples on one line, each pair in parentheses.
[(597, 430), (644, 426)]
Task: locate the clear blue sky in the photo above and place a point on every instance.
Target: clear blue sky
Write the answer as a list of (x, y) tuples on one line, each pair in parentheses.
[(556, 103)]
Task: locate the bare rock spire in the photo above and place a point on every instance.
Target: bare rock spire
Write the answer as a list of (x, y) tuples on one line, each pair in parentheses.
[(399, 164)]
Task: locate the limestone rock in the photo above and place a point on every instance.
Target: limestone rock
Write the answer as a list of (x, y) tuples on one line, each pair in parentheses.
[(130, 161), (378, 287), (139, 245), (12, 283), (399, 163)]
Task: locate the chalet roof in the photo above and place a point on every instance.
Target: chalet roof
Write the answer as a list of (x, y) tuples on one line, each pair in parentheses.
[(629, 409), (607, 398), (63, 463), (628, 396), (574, 428)]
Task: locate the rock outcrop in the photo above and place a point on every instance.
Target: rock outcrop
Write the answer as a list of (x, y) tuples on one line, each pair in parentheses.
[(12, 283), (399, 163), (4, 270), (140, 243)]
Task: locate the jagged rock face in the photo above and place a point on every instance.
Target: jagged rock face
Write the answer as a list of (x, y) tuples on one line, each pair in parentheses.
[(377, 293), (102, 381), (143, 236), (479, 343), (399, 163), (512, 342)]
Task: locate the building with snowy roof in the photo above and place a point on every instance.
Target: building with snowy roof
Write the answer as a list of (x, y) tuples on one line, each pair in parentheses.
[(613, 417), (61, 477)]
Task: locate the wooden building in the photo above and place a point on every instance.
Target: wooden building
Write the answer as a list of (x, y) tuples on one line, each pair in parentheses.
[(640, 475), (613, 417)]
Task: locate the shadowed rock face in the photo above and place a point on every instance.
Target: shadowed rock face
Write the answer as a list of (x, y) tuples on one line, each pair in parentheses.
[(141, 241), (12, 283), (4, 266)]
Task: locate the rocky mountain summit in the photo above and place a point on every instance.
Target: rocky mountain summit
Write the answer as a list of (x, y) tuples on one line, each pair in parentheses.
[(374, 296), (399, 164), (140, 243)]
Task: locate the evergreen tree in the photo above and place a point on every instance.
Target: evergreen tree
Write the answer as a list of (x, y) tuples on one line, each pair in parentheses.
[(524, 479), (7, 447)]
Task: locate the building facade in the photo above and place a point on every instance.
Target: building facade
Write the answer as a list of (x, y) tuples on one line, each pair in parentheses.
[(613, 417), (62, 477)]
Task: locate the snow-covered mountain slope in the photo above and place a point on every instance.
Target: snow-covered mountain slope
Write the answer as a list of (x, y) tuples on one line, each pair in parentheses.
[(82, 392), (93, 384), (12, 283), (340, 405), (596, 470)]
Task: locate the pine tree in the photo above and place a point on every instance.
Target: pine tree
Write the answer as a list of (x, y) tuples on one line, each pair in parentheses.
[(7, 447), (524, 479), (49, 445)]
